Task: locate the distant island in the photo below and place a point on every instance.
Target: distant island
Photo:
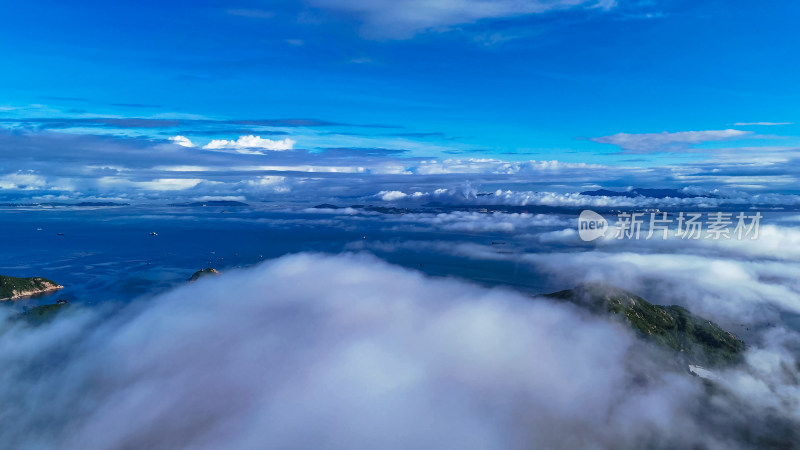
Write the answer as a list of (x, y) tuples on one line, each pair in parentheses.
[(697, 340), (42, 314), (12, 288), (85, 204)]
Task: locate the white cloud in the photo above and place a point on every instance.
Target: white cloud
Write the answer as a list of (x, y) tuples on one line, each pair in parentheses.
[(70, 162), (718, 286), (183, 141), (250, 144), (403, 19), (390, 196), (768, 384), (269, 184), (466, 194), (666, 141), (495, 166), (159, 184), (728, 280), (22, 180), (372, 355), (216, 198), (244, 144), (170, 184), (482, 222), (267, 181)]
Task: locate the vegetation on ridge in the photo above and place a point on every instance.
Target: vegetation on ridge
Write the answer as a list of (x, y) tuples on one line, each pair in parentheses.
[(13, 287), (699, 340)]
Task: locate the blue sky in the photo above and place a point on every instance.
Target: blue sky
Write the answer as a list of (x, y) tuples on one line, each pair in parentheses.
[(515, 80)]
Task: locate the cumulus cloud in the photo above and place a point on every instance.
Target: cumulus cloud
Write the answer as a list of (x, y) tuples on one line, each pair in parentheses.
[(183, 141), (390, 196), (394, 19), (22, 180), (666, 141), (251, 144)]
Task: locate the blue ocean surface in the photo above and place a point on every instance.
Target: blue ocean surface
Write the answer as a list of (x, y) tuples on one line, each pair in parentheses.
[(120, 253), (102, 254)]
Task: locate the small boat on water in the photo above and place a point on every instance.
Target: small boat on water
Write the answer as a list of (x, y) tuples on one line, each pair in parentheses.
[(153, 233)]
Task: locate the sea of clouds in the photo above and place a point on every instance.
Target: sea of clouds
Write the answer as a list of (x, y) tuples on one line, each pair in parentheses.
[(346, 351)]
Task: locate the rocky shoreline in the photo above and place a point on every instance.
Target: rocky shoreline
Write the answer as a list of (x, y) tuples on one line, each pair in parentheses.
[(13, 288)]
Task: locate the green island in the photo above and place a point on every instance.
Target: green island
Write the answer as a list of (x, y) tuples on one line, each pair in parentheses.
[(12, 288), (42, 314)]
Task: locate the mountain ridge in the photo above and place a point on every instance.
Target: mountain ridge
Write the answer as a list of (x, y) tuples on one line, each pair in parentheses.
[(696, 339)]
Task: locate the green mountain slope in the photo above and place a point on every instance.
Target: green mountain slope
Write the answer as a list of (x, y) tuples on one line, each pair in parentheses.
[(699, 340)]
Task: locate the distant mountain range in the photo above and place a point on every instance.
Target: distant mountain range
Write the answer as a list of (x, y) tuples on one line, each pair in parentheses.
[(79, 204), (644, 192)]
